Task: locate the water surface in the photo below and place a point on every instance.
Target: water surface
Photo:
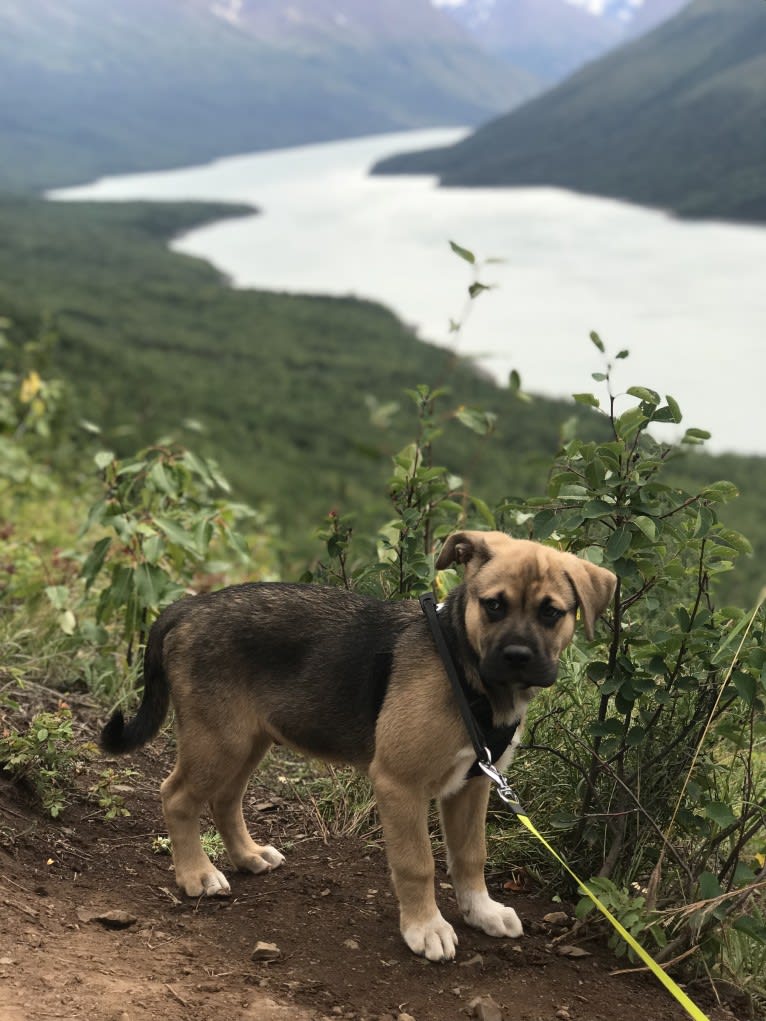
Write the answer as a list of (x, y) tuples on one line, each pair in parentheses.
[(687, 299)]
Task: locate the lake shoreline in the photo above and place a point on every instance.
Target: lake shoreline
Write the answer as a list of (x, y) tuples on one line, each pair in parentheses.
[(674, 292)]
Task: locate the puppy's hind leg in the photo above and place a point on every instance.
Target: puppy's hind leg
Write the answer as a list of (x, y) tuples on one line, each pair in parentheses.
[(184, 794), (226, 806)]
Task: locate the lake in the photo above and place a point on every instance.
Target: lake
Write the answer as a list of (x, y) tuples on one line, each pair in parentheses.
[(687, 299)]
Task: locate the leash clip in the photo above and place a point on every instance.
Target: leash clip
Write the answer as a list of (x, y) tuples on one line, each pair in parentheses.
[(505, 792)]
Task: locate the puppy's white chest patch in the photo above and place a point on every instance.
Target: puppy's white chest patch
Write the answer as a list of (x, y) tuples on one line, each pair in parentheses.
[(464, 759)]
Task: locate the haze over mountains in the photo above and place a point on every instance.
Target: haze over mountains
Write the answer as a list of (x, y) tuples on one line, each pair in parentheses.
[(551, 38), (90, 87), (676, 119)]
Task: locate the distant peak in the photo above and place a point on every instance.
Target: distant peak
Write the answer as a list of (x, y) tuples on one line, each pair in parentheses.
[(622, 10), (229, 10)]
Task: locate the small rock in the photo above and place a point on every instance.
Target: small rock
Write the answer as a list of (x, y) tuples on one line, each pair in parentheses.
[(484, 1008), (265, 951), (405, 1017), (6, 960), (477, 959), (109, 919), (564, 1014), (569, 951), (352, 944), (556, 918)]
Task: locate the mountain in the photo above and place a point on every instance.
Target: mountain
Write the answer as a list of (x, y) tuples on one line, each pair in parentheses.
[(552, 38), (676, 119), (88, 87)]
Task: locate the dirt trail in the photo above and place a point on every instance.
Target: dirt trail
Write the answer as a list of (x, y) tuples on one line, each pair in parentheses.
[(330, 910)]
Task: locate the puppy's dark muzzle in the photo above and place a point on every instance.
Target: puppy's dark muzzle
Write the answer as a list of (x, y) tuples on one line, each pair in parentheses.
[(517, 665)]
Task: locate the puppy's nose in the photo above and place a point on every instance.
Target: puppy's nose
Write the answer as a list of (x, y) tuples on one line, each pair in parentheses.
[(517, 655)]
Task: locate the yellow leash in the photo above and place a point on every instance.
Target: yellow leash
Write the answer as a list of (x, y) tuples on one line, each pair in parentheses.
[(507, 795)]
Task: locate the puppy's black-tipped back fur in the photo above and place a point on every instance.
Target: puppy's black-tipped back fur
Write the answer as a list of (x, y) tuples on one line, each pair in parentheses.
[(118, 737)]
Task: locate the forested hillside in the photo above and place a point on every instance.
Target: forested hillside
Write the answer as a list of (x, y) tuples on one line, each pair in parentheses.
[(283, 385), (676, 120), (294, 395)]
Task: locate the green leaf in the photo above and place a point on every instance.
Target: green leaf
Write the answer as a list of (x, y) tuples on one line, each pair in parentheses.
[(619, 543), (606, 728), (476, 289), (103, 458), (95, 561), (674, 408), (68, 622), (154, 548), (720, 492), (486, 514), (622, 354), (695, 436), (116, 594), (42, 734), (630, 421), (646, 525), (709, 886), (593, 554), (151, 583), (589, 399), (635, 736), (664, 414), (481, 422), (178, 535), (514, 381), (597, 509), (464, 253), (746, 686), (58, 596), (161, 479), (597, 341), (752, 927), (563, 820), (720, 813), (644, 394)]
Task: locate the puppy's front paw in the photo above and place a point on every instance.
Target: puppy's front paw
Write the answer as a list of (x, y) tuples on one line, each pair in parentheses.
[(480, 911), (434, 939), (208, 882), (264, 859), (272, 856)]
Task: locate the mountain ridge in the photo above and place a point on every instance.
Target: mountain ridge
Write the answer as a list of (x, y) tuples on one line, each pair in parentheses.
[(552, 38), (676, 119)]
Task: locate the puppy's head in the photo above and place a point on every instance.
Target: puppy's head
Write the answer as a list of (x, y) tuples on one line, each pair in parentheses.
[(521, 603)]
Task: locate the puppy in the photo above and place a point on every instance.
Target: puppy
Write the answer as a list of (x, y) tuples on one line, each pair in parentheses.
[(346, 678)]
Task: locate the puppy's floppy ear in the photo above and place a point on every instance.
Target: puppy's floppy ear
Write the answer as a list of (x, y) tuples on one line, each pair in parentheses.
[(594, 587), (460, 547)]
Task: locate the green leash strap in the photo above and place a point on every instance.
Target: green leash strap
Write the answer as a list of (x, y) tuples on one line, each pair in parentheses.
[(509, 798)]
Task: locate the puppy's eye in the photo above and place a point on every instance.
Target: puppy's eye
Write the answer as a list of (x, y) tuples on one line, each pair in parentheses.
[(494, 608), (550, 614)]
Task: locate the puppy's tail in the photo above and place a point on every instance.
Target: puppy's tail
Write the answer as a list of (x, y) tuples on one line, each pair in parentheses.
[(119, 737)]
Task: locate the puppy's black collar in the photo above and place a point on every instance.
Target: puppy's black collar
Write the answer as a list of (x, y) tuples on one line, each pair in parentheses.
[(489, 742)]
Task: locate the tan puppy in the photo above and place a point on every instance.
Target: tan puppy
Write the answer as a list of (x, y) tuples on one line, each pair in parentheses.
[(346, 678)]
